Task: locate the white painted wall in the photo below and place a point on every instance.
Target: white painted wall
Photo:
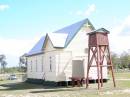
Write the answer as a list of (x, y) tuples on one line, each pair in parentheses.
[(44, 59), (64, 65), (79, 43), (35, 70), (79, 46)]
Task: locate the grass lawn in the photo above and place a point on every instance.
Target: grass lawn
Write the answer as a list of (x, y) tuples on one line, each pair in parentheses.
[(122, 75), (20, 89)]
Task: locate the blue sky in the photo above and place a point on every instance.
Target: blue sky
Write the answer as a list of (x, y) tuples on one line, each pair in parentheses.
[(23, 22)]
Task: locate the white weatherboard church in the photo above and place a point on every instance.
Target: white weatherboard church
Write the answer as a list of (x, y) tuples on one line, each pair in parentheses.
[(62, 54)]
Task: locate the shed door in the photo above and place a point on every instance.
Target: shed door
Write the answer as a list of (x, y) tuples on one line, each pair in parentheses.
[(77, 68)]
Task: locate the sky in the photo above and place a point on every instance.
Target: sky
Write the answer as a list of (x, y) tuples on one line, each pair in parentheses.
[(23, 22)]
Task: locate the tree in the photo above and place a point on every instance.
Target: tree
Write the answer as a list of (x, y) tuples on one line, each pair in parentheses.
[(2, 57), (121, 61), (115, 60), (129, 66), (125, 60), (3, 62), (23, 63)]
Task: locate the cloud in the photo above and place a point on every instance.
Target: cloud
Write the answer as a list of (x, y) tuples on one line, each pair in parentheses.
[(3, 7), (119, 44), (120, 36), (123, 28), (14, 48), (79, 12), (91, 8)]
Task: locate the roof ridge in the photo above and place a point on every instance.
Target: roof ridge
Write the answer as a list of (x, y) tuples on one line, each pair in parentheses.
[(57, 31)]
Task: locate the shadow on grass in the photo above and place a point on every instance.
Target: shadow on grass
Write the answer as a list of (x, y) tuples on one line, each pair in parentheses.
[(23, 86), (54, 90), (19, 86), (42, 89)]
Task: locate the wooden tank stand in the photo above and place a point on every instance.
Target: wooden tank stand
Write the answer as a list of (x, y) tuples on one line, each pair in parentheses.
[(98, 51)]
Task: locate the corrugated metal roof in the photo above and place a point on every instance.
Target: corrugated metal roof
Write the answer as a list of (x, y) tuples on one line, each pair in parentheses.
[(60, 38), (37, 48), (101, 30)]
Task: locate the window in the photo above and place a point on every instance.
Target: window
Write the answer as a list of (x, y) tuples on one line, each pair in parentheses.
[(42, 63), (36, 65), (31, 66), (51, 64)]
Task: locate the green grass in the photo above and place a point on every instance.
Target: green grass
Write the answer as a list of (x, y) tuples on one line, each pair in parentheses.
[(5, 81), (16, 88), (122, 75)]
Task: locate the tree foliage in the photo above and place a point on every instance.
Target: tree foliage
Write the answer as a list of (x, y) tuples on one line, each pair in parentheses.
[(115, 60), (23, 63), (121, 61), (3, 62)]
